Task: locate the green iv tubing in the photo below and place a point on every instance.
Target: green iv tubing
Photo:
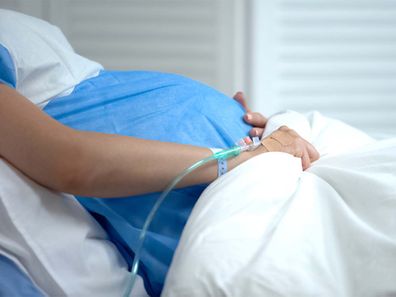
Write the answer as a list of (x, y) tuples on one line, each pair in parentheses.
[(243, 145)]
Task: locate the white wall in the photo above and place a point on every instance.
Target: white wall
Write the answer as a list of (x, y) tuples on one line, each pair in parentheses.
[(202, 39)]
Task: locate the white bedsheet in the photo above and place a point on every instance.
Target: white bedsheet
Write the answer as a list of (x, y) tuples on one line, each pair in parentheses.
[(268, 229), (52, 239)]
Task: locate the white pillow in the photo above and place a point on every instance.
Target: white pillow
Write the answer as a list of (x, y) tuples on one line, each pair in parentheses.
[(62, 248), (45, 64)]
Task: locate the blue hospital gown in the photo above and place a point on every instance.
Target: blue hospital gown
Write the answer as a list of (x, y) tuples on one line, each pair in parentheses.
[(7, 70)]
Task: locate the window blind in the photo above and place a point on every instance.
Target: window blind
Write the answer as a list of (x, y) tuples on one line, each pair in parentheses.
[(338, 57), (195, 38)]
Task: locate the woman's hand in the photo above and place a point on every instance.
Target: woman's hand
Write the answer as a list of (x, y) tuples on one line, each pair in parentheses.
[(257, 120), (282, 140), (288, 141)]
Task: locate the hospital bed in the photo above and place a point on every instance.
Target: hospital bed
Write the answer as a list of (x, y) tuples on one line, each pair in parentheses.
[(329, 231), (264, 229)]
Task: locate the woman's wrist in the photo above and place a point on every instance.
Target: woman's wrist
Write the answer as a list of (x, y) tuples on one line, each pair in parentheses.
[(258, 151), (243, 157)]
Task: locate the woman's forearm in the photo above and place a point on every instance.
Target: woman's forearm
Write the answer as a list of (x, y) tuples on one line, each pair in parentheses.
[(89, 163), (112, 165)]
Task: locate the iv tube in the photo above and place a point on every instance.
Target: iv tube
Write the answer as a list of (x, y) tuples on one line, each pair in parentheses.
[(224, 154)]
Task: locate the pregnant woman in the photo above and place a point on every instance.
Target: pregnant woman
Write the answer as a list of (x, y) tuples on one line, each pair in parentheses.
[(74, 127)]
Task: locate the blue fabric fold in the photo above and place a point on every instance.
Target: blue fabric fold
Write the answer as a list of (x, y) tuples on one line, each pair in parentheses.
[(7, 69), (14, 282)]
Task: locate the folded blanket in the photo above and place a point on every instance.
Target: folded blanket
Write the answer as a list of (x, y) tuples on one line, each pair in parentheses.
[(269, 229)]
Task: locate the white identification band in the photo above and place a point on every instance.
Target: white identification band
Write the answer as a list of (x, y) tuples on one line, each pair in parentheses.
[(221, 163), (222, 167)]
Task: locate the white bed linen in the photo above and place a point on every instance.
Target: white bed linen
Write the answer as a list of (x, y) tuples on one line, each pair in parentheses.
[(269, 229), (56, 242), (45, 63)]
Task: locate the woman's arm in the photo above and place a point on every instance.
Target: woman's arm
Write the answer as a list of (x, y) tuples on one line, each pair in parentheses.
[(90, 163)]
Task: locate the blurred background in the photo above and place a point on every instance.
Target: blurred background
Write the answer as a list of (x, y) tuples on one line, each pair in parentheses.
[(334, 56)]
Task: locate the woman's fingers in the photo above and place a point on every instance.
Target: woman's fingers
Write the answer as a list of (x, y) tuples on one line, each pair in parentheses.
[(255, 119), (312, 152), (256, 132), (288, 141), (305, 160), (240, 98)]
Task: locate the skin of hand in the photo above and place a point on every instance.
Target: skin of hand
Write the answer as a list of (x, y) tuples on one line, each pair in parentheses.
[(282, 140), (288, 141)]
